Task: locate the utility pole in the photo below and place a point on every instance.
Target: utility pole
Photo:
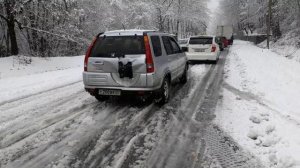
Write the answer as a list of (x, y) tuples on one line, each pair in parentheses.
[(269, 23), (248, 22)]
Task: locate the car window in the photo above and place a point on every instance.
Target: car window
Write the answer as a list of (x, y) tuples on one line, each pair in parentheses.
[(118, 46), (175, 47), (156, 45), (167, 45), (201, 40)]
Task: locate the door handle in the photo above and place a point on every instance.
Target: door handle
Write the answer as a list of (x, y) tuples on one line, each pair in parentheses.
[(99, 62)]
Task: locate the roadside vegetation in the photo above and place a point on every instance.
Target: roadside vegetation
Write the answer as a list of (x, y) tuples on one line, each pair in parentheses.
[(65, 27)]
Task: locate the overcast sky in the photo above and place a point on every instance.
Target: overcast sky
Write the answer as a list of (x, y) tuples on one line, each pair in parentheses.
[(212, 6)]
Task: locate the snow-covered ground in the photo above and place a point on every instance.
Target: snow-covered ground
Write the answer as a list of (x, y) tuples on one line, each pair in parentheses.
[(66, 127), (260, 104), (19, 80), (287, 46)]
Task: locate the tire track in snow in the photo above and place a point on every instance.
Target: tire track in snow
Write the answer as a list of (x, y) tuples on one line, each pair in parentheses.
[(113, 143), (103, 149), (177, 147), (29, 121), (153, 128), (49, 98), (30, 118), (30, 95), (25, 129), (76, 126)]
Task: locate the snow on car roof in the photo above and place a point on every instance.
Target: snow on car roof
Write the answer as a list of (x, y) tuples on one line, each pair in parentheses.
[(205, 36)]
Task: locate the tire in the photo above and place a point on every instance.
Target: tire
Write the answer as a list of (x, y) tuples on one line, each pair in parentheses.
[(101, 98), (164, 92), (184, 77)]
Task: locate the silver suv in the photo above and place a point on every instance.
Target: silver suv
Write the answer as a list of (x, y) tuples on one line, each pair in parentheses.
[(134, 61)]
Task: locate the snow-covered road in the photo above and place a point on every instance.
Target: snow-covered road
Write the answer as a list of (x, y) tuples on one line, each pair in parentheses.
[(66, 127)]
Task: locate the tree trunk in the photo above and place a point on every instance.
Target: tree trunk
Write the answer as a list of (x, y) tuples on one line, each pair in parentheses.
[(7, 43), (298, 13), (13, 38), (11, 27), (269, 23)]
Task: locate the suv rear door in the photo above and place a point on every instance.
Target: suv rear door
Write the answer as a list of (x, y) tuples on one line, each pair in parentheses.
[(159, 55), (113, 55), (181, 58), (173, 51)]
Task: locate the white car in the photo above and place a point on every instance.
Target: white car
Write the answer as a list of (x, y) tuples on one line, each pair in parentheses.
[(183, 42), (203, 48)]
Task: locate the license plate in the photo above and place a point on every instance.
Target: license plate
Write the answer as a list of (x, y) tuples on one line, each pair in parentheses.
[(108, 92), (199, 50)]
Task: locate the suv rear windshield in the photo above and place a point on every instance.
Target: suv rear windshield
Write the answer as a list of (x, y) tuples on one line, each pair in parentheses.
[(118, 46), (201, 40)]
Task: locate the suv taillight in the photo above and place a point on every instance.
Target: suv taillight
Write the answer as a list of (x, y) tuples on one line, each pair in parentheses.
[(213, 48), (149, 59), (88, 53)]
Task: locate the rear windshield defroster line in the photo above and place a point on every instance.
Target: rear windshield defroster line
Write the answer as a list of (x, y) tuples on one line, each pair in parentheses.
[(118, 46)]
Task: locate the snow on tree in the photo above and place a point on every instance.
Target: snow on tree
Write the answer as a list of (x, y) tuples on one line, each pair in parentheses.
[(66, 27)]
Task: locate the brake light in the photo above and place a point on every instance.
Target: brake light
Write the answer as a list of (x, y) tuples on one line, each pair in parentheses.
[(213, 48), (88, 53), (149, 58)]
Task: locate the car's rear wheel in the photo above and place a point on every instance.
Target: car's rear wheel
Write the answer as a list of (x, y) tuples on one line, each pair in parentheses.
[(164, 92), (101, 98)]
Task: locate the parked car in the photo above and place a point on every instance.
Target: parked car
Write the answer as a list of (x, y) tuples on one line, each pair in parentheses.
[(225, 42), (183, 43), (134, 61), (203, 48), (225, 31)]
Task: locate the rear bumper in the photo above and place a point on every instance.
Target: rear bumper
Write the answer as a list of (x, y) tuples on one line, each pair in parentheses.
[(202, 56), (142, 82), (127, 89)]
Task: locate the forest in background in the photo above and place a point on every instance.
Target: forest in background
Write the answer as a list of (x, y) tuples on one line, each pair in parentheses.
[(251, 17), (66, 27)]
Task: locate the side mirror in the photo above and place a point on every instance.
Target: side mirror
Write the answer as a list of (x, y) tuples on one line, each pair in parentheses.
[(184, 49)]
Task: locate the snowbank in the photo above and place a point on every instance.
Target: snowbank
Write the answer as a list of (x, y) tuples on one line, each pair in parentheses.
[(16, 65), (18, 79), (260, 104), (288, 46)]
